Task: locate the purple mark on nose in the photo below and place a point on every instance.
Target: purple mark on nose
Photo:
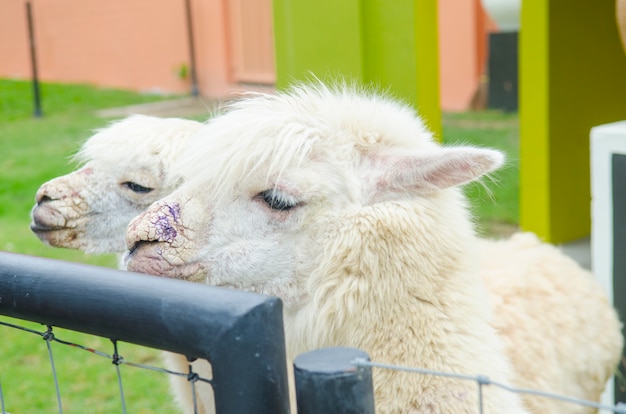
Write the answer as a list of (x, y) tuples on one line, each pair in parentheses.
[(165, 231), (174, 210)]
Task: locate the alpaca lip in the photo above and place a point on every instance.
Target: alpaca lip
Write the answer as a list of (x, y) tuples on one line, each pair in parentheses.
[(143, 245), (46, 218), (141, 259), (39, 228), (147, 257), (57, 236), (141, 251), (133, 248)]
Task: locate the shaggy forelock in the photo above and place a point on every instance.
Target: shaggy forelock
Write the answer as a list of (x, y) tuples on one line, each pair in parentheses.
[(264, 134), (135, 136)]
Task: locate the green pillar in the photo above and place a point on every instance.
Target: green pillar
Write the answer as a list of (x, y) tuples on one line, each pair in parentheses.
[(392, 44), (572, 77)]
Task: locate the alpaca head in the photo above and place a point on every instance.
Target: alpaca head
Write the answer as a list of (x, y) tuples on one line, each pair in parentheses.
[(286, 177), (125, 167)]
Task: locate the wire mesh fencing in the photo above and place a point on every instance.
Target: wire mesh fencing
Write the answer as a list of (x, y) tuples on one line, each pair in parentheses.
[(240, 333), (483, 381), (53, 336), (227, 327), (323, 376)]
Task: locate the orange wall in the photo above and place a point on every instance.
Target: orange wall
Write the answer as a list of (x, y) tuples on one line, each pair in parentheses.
[(13, 40), (142, 44), (463, 30), (210, 36), (103, 42), (139, 44)]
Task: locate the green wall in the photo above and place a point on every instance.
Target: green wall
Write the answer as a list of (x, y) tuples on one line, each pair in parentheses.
[(392, 44), (572, 77)]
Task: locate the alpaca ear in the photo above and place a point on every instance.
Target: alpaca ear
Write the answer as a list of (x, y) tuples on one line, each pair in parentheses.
[(430, 171)]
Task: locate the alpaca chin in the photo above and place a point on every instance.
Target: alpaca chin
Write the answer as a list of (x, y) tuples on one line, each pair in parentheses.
[(148, 258), (59, 237)]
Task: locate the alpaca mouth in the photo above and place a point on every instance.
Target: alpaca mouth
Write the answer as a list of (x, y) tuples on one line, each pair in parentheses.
[(46, 219), (42, 228), (150, 258)]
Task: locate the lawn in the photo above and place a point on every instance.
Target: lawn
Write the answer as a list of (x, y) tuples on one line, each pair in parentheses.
[(36, 150), (495, 200)]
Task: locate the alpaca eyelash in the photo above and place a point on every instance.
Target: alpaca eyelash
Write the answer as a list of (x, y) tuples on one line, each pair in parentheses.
[(136, 188), (277, 200)]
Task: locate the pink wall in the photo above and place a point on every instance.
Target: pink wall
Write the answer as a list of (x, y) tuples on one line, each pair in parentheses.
[(463, 29), (108, 43), (210, 35), (14, 45), (138, 44), (232, 54), (142, 44)]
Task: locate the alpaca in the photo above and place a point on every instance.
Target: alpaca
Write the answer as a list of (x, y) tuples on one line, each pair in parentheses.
[(125, 167), (564, 336), (513, 288), (340, 203)]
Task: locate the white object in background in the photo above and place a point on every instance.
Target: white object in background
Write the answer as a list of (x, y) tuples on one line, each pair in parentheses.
[(606, 140), (506, 13)]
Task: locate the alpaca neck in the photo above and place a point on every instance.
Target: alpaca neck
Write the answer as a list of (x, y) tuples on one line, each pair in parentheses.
[(380, 281)]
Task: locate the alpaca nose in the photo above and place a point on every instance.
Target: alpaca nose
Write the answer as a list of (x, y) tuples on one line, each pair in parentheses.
[(160, 223), (44, 195), (59, 188), (63, 187)]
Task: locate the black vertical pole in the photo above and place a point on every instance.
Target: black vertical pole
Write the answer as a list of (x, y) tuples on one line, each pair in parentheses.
[(33, 60), (327, 381), (192, 50), (618, 172)]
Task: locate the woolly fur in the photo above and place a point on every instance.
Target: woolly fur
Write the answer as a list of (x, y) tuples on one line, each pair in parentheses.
[(362, 263), (90, 208)]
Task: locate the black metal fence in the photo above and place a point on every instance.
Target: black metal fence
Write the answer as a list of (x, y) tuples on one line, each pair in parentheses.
[(329, 381), (239, 333)]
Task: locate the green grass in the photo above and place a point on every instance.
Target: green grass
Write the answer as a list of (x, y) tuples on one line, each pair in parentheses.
[(495, 200), (36, 150), (87, 382)]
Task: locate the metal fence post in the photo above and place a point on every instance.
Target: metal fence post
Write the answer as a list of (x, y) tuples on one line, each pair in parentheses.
[(240, 333), (327, 381), (37, 113)]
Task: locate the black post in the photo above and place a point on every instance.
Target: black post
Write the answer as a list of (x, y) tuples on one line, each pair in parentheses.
[(239, 333), (192, 50), (618, 172), (327, 381), (503, 71), (33, 60)]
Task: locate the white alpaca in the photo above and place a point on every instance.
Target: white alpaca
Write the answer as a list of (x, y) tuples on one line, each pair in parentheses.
[(552, 360), (125, 168), (558, 327), (342, 205)]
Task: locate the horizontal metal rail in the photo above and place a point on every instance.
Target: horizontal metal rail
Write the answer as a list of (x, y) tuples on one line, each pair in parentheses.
[(240, 333)]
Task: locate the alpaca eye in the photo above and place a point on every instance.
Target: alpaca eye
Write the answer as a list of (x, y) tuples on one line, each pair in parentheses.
[(277, 200), (134, 187)]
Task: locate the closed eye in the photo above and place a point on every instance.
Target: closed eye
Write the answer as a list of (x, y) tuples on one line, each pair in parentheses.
[(278, 200), (134, 187)]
